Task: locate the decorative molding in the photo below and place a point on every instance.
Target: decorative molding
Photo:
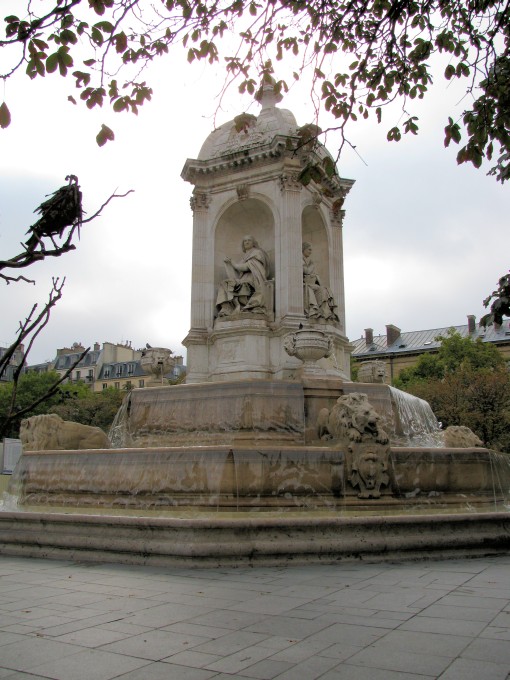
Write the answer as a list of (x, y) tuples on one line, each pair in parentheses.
[(243, 191), (290, 182), (337, 218), (200, 200), (317, 198)]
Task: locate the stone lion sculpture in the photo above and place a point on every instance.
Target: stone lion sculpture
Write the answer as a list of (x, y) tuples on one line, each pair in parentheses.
[(372, 372), (352, 418), (51, 432), (354, 423), (460, 437)]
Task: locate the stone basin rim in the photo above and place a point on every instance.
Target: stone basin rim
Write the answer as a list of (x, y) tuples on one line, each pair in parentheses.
[(258, 521)]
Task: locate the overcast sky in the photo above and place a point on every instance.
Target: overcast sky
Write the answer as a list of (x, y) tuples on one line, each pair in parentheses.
[(425, 241)]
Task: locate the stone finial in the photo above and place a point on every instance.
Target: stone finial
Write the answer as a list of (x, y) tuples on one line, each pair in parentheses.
[(267, 95)]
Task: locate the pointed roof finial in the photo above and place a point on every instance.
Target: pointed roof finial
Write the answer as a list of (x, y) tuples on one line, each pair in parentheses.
[(268, 95)]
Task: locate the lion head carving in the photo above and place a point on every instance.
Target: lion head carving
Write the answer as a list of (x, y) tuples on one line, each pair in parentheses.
[(354, 418), (372, 372)]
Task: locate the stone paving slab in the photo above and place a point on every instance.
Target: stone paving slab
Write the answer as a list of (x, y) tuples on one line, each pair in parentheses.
[(441, 620)]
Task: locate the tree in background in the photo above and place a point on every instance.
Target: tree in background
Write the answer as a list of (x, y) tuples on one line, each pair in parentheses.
[(71, 401), (90, 408), (499, 301), (54, 233), (361, 55), (466, 383)]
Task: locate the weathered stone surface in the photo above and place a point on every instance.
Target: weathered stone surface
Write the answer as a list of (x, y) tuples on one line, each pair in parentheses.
[(354, 419), (372, 372), (50, 432), (461, 437)]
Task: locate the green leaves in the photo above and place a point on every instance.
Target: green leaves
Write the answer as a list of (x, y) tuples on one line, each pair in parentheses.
[(5, 116), (361, 55), (394, 135), (100, 6), (104, 135), (60, 59), (451, 133)]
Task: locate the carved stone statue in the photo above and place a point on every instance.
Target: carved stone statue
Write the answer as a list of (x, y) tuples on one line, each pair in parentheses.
[(461, 437), (353, 424), (372, 372), (319, 303), (353, 418), (244, 288), (50, 432)]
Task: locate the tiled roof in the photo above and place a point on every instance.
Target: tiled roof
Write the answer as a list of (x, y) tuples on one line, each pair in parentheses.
[(420, 341), (121, 369), (64, 361)]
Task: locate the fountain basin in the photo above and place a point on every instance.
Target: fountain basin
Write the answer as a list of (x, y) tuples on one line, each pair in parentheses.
[(256, 477), (214, 541), (261, 412)]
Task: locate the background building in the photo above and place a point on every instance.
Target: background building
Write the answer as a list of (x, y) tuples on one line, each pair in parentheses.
[(400, 350), (114, 365)]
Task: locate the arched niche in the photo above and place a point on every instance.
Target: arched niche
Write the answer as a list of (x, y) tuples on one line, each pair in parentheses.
[(250, 216), (313, 230)]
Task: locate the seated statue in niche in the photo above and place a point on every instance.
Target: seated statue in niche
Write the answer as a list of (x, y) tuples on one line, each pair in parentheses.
[(244, 288), (318, 300)]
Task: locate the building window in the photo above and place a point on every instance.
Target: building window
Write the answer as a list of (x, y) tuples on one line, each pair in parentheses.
[(78, 375), (106, 373), (117, 385), (141, 383), (105, 386)]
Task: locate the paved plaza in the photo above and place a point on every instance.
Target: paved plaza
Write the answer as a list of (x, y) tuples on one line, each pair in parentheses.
[(408, 621)]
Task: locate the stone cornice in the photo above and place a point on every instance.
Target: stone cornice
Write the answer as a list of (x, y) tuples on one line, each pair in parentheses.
[(245, 160)]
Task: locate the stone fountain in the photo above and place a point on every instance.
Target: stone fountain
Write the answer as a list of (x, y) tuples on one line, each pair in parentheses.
[(268, 453)]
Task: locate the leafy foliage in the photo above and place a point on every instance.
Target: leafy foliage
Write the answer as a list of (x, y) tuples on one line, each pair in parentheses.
[(363, 54), (71, 401), (89, 408), (466, 383), (30, 388), (500, 305)]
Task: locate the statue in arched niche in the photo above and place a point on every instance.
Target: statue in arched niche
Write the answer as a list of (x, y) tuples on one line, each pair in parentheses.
[(244, 288), (319, 303)]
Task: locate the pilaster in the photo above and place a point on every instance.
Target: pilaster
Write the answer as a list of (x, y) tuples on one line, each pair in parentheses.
[(289, 302)]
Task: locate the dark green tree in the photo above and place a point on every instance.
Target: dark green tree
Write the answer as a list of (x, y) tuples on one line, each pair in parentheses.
[(499, 301), (466, 383), (362, 55), (455, 352), (33, 394), (89, 408)]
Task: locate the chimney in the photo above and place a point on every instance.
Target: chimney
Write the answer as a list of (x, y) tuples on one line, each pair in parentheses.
[(392, 333), (471, 324), (369, 336), (97, 347)]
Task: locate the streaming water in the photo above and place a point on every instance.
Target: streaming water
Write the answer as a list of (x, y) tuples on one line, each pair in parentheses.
[(414, 421)]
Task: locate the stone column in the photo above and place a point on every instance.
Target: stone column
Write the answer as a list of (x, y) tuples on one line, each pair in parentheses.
[(289, 302), (201, 307), (336, 259)]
